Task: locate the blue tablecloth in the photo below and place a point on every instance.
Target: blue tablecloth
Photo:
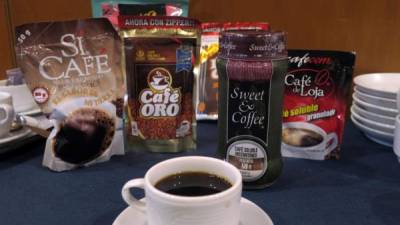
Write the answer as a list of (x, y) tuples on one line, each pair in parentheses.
[(363, 188)]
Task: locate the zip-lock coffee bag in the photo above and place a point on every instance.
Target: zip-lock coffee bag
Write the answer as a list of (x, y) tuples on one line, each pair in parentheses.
[(73, 69), (316, 88), (160, 54)]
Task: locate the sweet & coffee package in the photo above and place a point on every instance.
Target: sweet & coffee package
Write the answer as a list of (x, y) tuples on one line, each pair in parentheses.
[(316, 89), (160, 54), (207, 108), (73, 69)]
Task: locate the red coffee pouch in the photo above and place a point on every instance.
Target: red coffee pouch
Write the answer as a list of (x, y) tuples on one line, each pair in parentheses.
[(316, 88), (73, 69)]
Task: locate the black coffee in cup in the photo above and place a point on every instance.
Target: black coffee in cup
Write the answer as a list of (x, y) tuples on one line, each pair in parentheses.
[(193, 184), (301, 137), (84, 135)]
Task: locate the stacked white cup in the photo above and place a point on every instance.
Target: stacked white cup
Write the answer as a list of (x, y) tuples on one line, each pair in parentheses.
[(396, 142), (6, 113)]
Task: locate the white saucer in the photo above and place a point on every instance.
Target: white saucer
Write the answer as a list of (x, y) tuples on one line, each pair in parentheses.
[(34, 111), (14, 135), (379, 141), (251, 214)]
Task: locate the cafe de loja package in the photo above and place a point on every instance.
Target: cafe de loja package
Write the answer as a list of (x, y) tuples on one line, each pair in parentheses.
[(73, 69), (207, 108), (160, 54), (316, 89)]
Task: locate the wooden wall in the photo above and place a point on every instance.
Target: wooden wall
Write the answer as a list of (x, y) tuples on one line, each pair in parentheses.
[(6, 59), (371, 28)]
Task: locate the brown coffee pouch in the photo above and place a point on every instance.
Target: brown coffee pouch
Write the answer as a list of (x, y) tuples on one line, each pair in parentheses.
[(73, 69), (160, 54)]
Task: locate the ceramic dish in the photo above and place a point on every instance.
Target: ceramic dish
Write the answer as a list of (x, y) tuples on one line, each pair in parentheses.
[(384, 85), (373, 124), (378, 101), (375, 109), (379, 137), (250, 214), (373, 116)]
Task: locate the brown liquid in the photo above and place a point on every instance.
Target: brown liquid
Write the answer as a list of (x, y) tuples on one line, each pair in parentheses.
[(301, 137), (193, 184), (84, 136)]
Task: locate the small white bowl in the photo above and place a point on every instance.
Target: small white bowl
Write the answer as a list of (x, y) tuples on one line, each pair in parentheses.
[(378, 101), (373, 124), (373, 116), (384, 85), (375, 109), (380, 137)]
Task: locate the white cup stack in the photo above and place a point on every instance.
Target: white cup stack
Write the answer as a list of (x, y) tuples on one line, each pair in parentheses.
[(375, 106), (396, 142)]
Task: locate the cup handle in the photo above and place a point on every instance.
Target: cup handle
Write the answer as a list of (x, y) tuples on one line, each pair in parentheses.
[(127, 196), (9, 111), (332, 137)]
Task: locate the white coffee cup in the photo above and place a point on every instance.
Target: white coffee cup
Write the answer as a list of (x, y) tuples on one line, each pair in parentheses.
[(22, 97), (317, 152), (161, 208), (6, 113)]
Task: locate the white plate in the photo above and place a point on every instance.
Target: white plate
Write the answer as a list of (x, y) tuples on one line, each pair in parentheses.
[(373, 124), (373, 116), (378, 101), (379, 141), (370, 133), (384, 85), (250, 214), (12, 136), (375, 109)]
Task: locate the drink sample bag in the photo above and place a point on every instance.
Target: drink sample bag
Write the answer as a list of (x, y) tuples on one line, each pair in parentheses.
[(208, 78), (183, 5), (73, 69), (160, 54), (111, 10), (317, 86)]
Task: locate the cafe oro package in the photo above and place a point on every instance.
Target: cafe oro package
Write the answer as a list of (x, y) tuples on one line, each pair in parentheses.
[(160, 54), (73, 69)]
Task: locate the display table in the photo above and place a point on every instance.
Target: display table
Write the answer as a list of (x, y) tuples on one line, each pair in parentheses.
[(363, 188)]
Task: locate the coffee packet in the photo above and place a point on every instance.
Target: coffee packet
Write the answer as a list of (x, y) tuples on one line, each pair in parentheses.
[(207, 108), (317, 86), (111, 9), (73, 69), (160, 54)]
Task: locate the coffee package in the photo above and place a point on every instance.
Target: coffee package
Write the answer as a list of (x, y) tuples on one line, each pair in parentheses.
[(207, 108), (73, 69), (111, 9), (316, 89), (160, 54)]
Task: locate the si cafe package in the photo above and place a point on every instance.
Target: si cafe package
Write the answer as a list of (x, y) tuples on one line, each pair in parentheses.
[(73, 70)]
